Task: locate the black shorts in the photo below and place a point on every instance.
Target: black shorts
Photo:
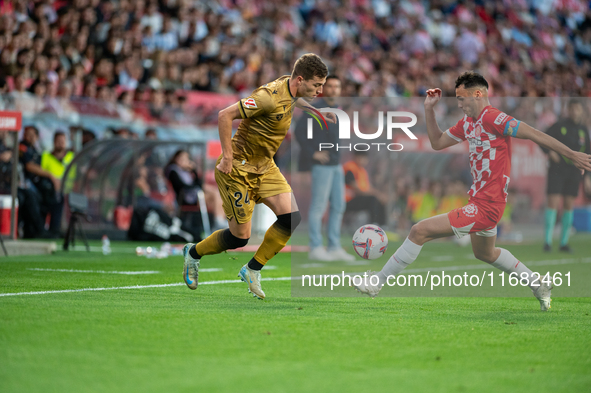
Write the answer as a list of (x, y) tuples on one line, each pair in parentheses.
[(564, 182)]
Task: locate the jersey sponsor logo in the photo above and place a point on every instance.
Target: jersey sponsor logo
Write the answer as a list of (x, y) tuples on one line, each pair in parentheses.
[(477, 131), (499, 120), (250, 103), (470, 210)]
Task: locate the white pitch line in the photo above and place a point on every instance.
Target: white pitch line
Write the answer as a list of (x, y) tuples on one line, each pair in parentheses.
[(467, 267), (140, 287), (125, 250), (95, 271), (442, 258), (91, 289)]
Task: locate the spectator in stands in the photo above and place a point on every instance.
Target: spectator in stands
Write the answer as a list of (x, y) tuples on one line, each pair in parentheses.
[(122, 133), (221, 48), (423, 202), (42, 182), (87, 137), (125, 106), (359, 193), (183, 176), (5, 165), (29, 217), (24, 101), (157, 104), (4, 100), (5, 158), (151, 134)]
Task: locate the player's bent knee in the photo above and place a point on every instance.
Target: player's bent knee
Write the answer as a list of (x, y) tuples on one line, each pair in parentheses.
[(289, 221), (418, 233), (233, 242), (484, 256), (296, 218)]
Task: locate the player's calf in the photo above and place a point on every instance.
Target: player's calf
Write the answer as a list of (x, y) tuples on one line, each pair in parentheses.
[(217, 242), (275, 239)]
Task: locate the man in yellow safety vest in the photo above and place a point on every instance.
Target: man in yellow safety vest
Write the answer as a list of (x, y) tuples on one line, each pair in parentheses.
[(56, 162)]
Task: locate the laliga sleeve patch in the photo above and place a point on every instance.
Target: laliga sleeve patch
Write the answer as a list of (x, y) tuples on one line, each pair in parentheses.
[(250, 103), (511, 127)]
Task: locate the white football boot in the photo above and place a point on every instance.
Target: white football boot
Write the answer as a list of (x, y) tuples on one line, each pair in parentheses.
[(543, 293), (320, 254), (339, 254), (253, 279), (367, 288), (190, 268)]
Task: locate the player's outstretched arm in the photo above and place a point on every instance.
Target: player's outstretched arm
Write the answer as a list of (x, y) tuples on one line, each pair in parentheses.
[(439, 140), (580, 160), (225, 118)]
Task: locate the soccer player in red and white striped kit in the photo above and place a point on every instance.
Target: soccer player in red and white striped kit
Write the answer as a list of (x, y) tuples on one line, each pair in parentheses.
[(489, 132)]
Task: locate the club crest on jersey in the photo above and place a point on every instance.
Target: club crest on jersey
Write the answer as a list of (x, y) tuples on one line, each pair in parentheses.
[(477, 131), (250, 103), (470, 210), (279, 117), (499, 120)]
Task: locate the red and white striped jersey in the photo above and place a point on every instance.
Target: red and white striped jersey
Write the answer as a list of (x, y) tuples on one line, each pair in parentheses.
[(489, 137)]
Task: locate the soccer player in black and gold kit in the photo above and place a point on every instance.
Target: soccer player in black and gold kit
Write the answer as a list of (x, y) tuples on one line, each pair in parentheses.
[(246, 173)]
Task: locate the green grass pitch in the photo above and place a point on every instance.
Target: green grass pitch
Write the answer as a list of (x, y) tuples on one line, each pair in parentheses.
[(220, 339)]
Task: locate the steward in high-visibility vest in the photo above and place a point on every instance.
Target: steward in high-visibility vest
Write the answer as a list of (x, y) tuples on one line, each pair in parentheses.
[(54, 165), (56, 161)]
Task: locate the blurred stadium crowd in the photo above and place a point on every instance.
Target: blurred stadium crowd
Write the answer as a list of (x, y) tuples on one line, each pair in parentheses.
[(101, 49), (129, 63)]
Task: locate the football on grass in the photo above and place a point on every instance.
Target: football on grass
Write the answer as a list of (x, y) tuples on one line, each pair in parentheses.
[(370, 241)]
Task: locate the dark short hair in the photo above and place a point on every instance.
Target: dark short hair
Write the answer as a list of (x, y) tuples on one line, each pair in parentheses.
[(332, 76), (58, 133), (471, 79), (34, 129), (309, 66)]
